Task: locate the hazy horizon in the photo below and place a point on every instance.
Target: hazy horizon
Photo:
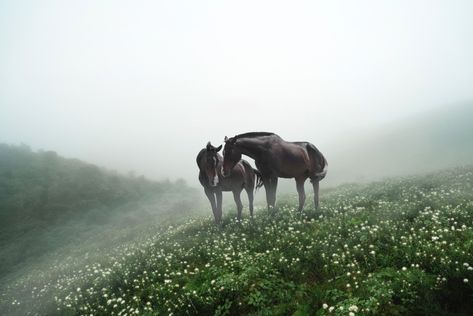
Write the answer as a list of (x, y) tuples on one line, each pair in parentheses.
[(144, 86)]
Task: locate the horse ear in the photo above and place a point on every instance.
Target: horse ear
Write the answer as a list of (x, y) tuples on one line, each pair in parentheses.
[(219, 147), (225, 139), (209, 146)]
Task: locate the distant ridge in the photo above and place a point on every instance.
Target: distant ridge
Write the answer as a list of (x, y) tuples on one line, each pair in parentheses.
[(439, 139)]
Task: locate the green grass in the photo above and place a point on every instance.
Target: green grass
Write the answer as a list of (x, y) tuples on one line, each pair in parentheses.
[(398, 247)]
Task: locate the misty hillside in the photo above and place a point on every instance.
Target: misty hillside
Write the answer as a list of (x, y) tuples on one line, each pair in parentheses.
[(403, 246), (433, 141), (47, 201)]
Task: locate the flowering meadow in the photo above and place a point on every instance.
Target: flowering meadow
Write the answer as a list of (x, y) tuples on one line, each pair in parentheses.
[(402, 246)]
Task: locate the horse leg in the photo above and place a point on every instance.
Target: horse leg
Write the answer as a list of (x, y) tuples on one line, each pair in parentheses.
[(219, 205), (250, 193), (211, 197), (273, 186), (236, 197), (267, 189), (300, 189), (315, 185)]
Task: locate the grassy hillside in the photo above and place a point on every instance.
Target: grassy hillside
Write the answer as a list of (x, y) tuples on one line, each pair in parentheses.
[(431, 141), (398, 247), (47, 202)]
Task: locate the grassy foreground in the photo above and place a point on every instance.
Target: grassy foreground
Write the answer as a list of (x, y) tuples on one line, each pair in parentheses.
[(397, 247)]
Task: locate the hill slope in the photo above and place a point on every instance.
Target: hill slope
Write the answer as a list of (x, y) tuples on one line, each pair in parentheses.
[(47, 201), (398, 247), (428, 142)]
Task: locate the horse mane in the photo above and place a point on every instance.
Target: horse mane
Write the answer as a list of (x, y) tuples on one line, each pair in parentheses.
[(253, 134), (200, 155)]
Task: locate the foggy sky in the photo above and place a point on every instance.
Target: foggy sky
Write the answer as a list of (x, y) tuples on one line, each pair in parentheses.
[(143, 85)]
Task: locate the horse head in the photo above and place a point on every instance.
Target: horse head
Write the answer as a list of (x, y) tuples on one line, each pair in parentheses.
[(211, 161), (231, 155)]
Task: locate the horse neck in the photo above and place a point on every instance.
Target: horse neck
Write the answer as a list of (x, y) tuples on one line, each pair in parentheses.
[(251, 147), (201, 159)]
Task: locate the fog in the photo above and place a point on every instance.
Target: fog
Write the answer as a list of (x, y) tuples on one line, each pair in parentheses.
[(139, 87), (144, 85)]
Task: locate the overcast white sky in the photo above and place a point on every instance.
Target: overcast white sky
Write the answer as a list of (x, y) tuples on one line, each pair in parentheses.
[(143, 85)]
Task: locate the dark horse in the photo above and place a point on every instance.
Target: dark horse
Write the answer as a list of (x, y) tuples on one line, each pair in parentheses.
[(275, 157), (210, 176)]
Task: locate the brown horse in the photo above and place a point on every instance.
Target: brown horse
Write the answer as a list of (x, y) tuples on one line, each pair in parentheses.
[(274, 158), (210, 176)]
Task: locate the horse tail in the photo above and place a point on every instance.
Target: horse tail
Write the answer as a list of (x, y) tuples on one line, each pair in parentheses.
[(320, 175), (320, 162), (259, 179)]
